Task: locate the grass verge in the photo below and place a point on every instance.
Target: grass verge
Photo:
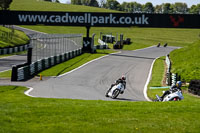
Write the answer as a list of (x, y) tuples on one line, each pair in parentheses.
[(6, 74), (20, 113), (157, 78)]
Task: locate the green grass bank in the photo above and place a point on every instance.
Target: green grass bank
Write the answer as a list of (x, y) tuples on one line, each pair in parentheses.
[(11, 38), (20, 113), (186, 62)]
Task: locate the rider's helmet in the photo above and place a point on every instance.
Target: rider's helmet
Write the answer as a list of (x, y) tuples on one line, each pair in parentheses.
[(123, 77), (179, 84)]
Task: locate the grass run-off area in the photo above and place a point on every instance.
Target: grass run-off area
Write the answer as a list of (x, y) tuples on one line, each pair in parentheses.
[(11, 38), (20, 113)]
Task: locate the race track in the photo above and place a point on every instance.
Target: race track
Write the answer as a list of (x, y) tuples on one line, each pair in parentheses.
[(91, 81)]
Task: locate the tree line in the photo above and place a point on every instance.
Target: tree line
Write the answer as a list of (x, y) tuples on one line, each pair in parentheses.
[(134, 7)]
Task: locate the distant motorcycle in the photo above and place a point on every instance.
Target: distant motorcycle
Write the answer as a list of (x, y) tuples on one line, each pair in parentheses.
[(115, 91), (175, 95)]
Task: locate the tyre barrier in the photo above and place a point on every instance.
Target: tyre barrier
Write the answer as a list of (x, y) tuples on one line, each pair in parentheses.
[(118, 45), (101, 46), (127, 41), (16, 49), (171, 78), (26, 71), (194, 87)]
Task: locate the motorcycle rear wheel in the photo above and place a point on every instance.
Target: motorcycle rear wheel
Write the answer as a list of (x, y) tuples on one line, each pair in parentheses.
[(176, 99)]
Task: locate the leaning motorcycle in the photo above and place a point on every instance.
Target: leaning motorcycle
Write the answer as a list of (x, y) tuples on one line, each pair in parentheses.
[(175, 95), (115, 91)]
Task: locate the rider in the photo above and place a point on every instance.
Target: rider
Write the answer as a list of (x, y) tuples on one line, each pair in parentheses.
[(174, 88), (120, 80)]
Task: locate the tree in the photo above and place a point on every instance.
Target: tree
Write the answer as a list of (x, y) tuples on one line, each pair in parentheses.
[(76, 2), (85, 2), (5, 4), (124, 6), (132, 7), (195, 9), (167, 8), (158, 9), (94, 3), (113, 4), (180, 8), (102, 3), (148, 8)]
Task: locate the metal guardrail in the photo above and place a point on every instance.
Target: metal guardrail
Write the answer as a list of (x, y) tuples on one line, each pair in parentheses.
[(171, 77)]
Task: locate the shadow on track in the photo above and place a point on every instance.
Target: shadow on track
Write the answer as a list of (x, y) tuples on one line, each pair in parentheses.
[(132, 56), (125, 99)]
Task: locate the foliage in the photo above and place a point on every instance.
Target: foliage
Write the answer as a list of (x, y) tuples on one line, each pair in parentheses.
[(180, 8), (132, 7), (5, 4), (195, 9), (148, 8), (94, 3), (113, 5)]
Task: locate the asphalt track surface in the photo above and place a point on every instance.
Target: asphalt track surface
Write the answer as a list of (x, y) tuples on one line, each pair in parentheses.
[(6, 63), (91, 81)]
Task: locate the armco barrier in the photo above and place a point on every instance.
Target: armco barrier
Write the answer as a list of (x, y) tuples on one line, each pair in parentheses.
[(171, 78), (27, 71), (13, 49), (168, 73), (194, 87)]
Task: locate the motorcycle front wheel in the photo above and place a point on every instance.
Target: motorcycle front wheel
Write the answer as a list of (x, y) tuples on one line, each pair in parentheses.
[(115, 93)]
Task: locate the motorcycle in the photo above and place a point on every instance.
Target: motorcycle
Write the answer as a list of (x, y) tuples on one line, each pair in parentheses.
[(175, 95), (115, 91)]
